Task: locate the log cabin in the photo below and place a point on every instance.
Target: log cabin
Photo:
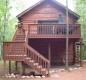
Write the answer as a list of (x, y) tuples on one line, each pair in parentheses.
[(40, 38)]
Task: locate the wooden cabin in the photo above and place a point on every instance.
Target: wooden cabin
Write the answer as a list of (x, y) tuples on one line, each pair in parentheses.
[(40, 38)]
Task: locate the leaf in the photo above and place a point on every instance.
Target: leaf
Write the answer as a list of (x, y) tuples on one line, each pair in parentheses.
[(81, 10)]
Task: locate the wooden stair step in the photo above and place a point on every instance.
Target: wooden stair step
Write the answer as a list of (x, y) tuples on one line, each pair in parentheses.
[(15, 55), (47, 72), (20, 37), (39, 66), (28, 58), (31, 60), (35, 64), (43, 69)]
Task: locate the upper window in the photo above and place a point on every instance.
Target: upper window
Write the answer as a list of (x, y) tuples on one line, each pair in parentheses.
[(47, 21)]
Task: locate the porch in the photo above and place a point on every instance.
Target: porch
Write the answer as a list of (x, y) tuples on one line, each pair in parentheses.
[(53, 31)]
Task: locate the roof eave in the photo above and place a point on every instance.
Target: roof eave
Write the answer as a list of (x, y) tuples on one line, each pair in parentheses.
[(72, 12), (56, 2), (25, 11)]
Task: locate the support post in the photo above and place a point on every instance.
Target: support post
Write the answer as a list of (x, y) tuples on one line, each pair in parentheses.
[(21, 69), (67, 34), (49, 53), (26, 35), (49, 57), (4, 68), (23, 66), (16, 65), (9, 67), (81, 59), (48, 69)]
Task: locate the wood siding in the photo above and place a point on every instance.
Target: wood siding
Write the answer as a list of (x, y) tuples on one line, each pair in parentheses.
[(53, 31), (29, 30), (44, 11), (58, 48)]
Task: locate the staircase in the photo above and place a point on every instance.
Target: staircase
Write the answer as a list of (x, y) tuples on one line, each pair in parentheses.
[(77, 52), (20, 38), (36, 61), (19, 35), (19, 50)]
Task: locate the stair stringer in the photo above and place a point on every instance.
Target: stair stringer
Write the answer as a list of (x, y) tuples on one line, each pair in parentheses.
[(36, 61)]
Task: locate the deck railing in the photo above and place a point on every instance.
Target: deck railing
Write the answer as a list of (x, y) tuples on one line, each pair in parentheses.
[(21, 51), (14, 51), (53, 30), (36, 57)]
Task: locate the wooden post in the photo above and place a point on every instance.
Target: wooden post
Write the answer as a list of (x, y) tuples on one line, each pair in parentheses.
[(4, 68), (81, 59), (9, 67), (16, 66), (21, 68), (49, 57), (67, 34), (26, 35), (48, 69), (49, 53)]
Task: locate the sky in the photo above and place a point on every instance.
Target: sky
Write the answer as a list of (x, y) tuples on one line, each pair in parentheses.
[(29, 3)]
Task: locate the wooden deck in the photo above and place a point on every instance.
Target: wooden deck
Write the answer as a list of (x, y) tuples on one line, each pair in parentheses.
[(14, 51), (21, 51), (53, 31)]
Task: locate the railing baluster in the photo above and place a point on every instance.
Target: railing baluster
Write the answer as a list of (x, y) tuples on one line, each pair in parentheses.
[(59, 30)]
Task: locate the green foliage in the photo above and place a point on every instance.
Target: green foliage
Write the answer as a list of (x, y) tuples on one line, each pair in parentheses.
[(7, 22), (10, 30), (80, 8)]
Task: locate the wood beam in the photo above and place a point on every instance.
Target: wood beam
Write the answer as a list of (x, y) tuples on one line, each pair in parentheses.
[(49, 57), (16, 63), (81, 55), (23, 66), (49, 52), (9, 67), (4, 68), (21, 69)]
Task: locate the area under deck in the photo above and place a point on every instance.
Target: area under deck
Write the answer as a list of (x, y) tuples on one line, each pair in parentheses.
[(54, 48)]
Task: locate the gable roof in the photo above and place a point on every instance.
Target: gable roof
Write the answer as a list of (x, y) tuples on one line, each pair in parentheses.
[(76, 16)]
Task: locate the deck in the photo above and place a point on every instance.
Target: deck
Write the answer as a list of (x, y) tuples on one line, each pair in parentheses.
[(53, 31)]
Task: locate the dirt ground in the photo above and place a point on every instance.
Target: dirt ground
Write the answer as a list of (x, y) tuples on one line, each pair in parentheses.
[(75, 73)]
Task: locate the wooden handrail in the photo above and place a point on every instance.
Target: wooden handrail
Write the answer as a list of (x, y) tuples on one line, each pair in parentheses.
[(55, 24), (13, 50), (18, 32), (21, 51), (53, 30), (43, 63), (36, 53), (9, 45)]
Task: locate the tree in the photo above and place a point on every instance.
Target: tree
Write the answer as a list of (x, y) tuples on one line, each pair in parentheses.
[(80, 8), (3, 10), (7, 23)]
